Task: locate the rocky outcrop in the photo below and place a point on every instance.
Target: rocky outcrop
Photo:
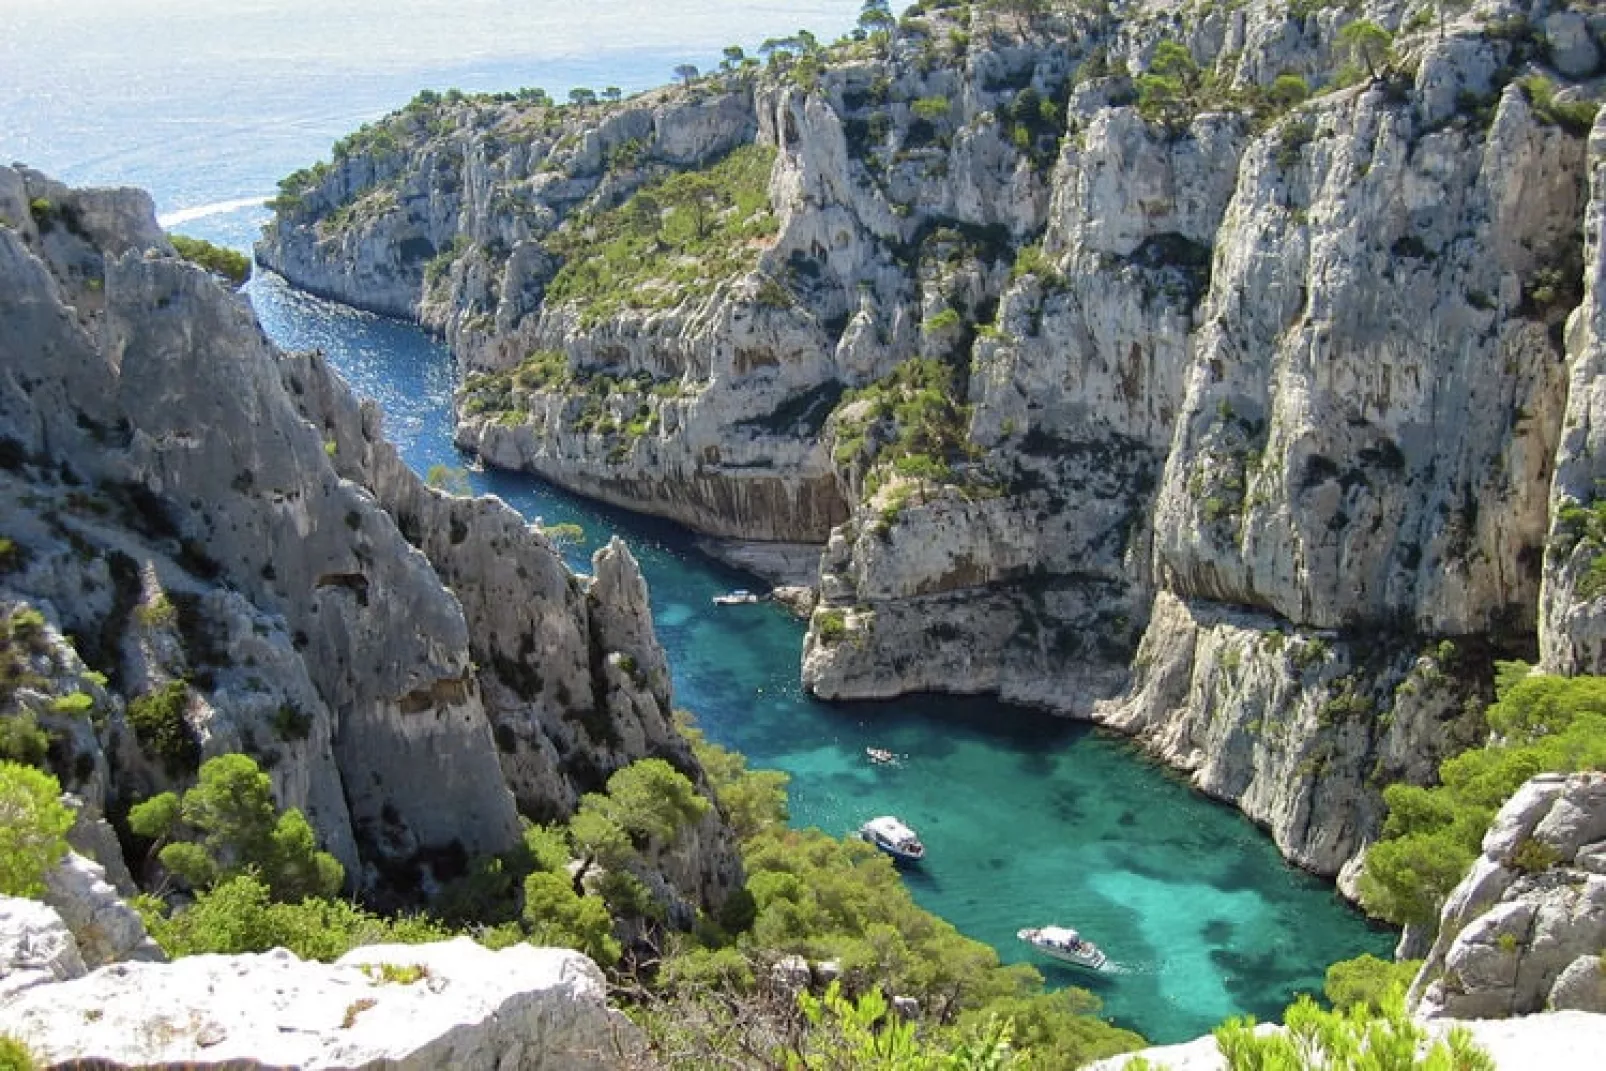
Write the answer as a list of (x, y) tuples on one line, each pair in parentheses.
[(36, 947), (1524, 930), (105, 928), (453, 1004), (244, 564)]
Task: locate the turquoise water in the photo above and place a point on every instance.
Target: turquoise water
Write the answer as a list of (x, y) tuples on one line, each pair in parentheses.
[(1028, 819)]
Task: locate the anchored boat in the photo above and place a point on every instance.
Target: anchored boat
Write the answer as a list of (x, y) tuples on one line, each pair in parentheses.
[(1065, 945), (893, 837)]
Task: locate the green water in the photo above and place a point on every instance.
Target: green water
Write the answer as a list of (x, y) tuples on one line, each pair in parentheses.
[(1027, 819)]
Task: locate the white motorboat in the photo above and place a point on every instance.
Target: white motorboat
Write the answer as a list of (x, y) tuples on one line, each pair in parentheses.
[(1065, 945), (736, 598), (893, 837)]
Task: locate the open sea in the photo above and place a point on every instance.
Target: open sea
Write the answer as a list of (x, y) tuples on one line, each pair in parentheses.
[(1028, 819)]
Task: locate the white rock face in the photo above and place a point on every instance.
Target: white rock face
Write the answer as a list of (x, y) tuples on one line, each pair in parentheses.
[(1572, 633), (1524, 931), (106, 929), (204, 512), (1284, 722), (36, 948), (466, 1007)]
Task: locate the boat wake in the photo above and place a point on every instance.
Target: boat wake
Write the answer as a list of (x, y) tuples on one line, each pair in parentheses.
[(216, 208), (1117, 967)]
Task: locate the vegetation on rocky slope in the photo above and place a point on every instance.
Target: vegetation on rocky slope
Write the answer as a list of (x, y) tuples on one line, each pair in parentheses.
[(671, 242), (1540, 724)]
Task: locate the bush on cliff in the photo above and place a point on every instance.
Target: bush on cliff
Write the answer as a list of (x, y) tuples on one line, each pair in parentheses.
[(232, 266), (1367, 980), (14, 1055), (1431, 836), (240, 915), (33, 828), (1360, 1037), (228, 824), (673, 239)]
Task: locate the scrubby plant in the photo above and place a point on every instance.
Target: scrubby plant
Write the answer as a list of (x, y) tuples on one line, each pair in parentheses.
[(21, 739), (15, 1056), (449, 478), (1366, 43), (232, 266), (1367, 980), (830, 625), (673, 239), (240, 915), (228, 825), (33, 828), (752, 801), (1575, 117), (162, 729), (1359, 1037), (555, 914)]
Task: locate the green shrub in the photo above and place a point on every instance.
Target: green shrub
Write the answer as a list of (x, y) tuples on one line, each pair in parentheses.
[(162, 729), (230, 826), (21, 739), (33, 828), (556, 915), (752, 800), (292, 723), (1367, 980), (239, 915), (673, 240), (1575, 117), (233, 266), (13, 556), (1288, 90), (449, 478), (73, 705), (650, 800), (831, 626), (1330, 1039), (15, 1056), (942, 321)]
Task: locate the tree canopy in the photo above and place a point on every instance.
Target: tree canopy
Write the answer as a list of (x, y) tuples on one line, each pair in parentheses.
[(33, 828)]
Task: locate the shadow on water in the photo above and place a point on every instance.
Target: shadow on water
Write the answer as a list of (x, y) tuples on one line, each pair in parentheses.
[(1027, 819)]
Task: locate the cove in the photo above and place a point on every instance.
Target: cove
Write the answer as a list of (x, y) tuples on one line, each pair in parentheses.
[(1028, 819)]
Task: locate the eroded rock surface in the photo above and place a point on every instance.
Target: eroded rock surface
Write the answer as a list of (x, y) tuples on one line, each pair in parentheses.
[(1524, 930), (453, 1004)]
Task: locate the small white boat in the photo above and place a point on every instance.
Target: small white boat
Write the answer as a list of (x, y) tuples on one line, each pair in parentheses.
[(880, 756), (1065, 945), (893, 837), (736, 598)]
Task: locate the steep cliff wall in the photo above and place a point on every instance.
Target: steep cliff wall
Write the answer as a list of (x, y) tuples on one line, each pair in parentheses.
[(211, 546), (1110, 370)]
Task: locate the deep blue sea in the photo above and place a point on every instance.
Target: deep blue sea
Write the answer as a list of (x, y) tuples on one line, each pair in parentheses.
[(1028, 819)]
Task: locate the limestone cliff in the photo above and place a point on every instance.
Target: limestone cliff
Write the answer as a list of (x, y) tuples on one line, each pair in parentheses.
[(209, 547), (450, 1004), (1523, 932), (1189, 369)]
